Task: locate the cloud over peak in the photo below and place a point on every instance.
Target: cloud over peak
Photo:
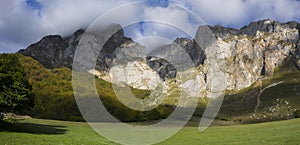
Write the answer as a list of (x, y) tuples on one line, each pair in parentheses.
[(23, 22)]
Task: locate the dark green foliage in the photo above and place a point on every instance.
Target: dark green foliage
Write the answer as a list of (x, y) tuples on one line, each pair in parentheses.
[(123, 113), (55, 99), (15, 91), (225, 118), (297, 114), (53, 90)]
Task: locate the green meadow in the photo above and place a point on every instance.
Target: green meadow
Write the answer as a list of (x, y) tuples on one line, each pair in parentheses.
[(51, 132)]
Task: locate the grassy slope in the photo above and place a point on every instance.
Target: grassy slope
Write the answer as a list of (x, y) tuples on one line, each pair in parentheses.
[(54, 97), (40, 132), (283, 132), (289, 90), (241, 104)]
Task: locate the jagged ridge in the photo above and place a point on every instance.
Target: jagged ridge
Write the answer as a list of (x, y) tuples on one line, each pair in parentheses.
[(251, 52)]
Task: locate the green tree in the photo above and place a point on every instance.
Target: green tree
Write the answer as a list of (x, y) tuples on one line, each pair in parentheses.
[(15, 91)]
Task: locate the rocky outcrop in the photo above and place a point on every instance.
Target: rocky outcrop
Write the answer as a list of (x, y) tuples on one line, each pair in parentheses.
[(256, 51), (129, 67), (69, 52), (56, 51), (236, 59), (166, 69), (193, 49), (297, 55), (268, 26), (107, 53), (223, 32), (49, 51), (245, 56), (136, 74)]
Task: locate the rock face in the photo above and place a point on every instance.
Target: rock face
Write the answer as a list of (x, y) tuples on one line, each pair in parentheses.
[(129, 67), (167, 70), (136, 74), (254, 57), (107, 54), (297, 55), (193, 49), (233, 57), (222, 32), (267, 26), (56, 51), (244, 55), (49, 51)]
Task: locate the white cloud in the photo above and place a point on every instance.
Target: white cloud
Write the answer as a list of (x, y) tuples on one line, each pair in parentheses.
[(18, 25), (171, 15), (240, 12), (66, 16), (162, 25), (21, 26)]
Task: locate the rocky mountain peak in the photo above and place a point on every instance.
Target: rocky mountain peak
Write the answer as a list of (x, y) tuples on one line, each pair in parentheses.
[(247, 54), (54, 51), (223, 32), (48, 51), (267, 25), (193, 49)]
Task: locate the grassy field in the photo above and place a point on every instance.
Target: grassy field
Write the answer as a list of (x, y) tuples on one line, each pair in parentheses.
[(50, 132)]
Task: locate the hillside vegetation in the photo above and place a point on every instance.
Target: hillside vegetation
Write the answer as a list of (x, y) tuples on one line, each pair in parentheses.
[(275, 98), (55, 99)]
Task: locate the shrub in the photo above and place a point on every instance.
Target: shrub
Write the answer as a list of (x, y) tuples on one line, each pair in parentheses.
[(297, 114), (224, 118)]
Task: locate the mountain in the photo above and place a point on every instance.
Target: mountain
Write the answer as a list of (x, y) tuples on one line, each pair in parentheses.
[(270, 39), (246, 62), (251, 53), (56, 51)]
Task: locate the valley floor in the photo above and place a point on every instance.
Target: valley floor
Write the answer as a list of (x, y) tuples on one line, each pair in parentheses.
[(40, 132)]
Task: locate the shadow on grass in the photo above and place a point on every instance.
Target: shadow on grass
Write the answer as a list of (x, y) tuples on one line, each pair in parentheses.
[(32, 128)]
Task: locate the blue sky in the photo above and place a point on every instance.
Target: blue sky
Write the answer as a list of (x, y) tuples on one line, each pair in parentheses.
[(158, 3), (35, 6), (23, 22)]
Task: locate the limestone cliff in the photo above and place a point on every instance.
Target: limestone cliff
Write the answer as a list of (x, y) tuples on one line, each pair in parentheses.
[(243, 55)]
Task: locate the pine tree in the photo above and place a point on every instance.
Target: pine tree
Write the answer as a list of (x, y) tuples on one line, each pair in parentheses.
[(15, 91)]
